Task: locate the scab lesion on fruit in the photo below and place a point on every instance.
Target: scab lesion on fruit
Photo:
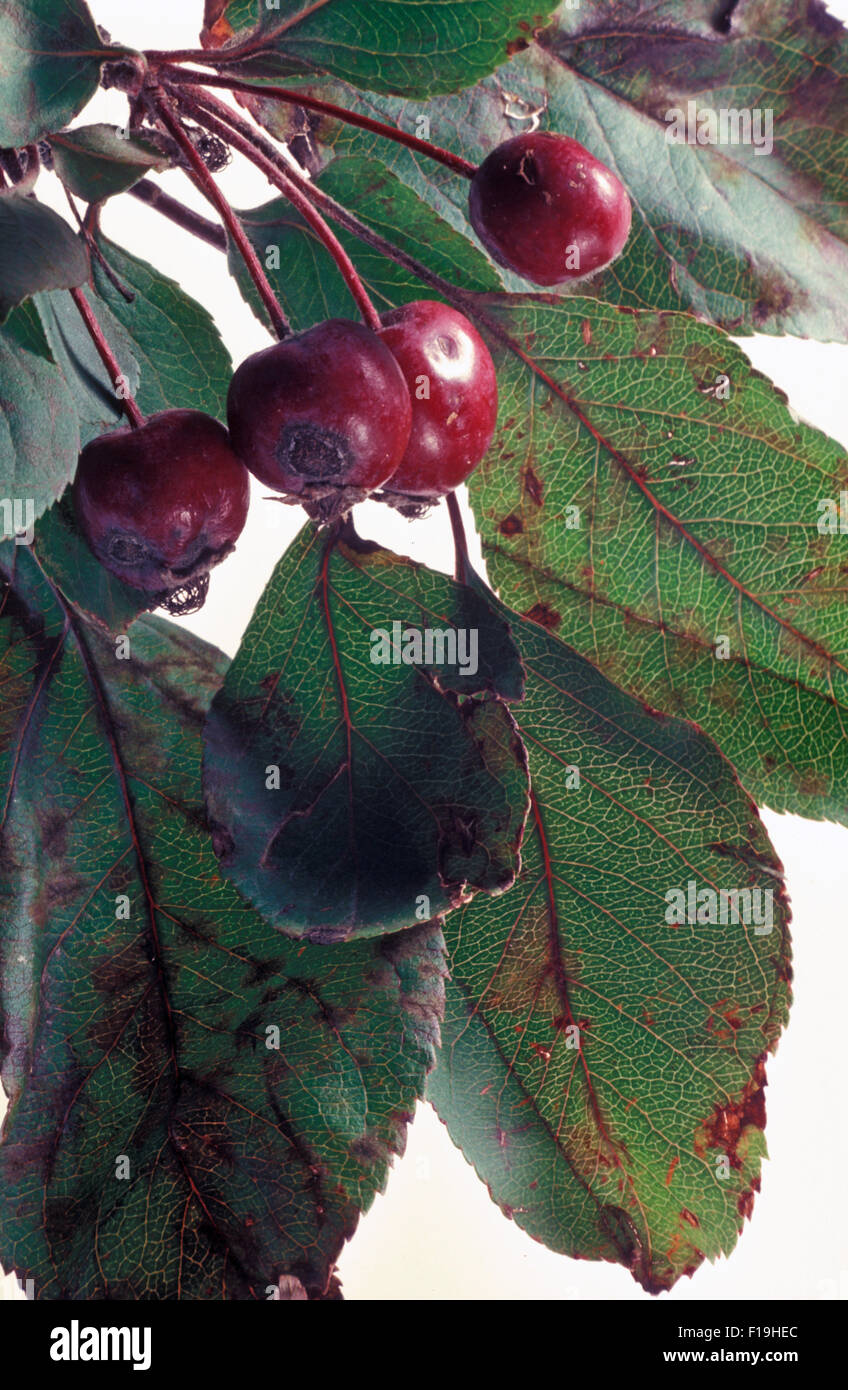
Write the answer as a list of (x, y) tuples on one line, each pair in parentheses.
[(314, 452)]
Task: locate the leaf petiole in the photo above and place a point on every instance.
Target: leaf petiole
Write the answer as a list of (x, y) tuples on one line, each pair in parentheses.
[(454, 162), (108, 358), (217, 117), (203, 180)]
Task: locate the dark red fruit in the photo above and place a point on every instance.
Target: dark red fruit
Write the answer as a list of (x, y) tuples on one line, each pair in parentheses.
[(322, 418), (454, 391), (543, 206), (162, 504)]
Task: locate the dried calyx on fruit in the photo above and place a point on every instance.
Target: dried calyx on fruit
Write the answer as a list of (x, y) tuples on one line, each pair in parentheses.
[(454, 391), (323, 418), (162, 504), (543, 206)]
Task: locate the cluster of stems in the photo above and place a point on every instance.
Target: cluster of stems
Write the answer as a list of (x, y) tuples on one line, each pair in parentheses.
[(175, 94)]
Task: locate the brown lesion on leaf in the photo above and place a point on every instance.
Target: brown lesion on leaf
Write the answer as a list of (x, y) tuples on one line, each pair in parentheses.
[(814, 784), (745, 1203), (511, 525), (543, 614), (262, 970), (334, 1018), (62, 890), (774, 300), (532, 484), (368, 1150), (217, 29), (725, 1128)]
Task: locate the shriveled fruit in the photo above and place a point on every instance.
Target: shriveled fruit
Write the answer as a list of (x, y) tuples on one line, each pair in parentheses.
[(162, 504), (453, 385), (545, 207), (323, 418)]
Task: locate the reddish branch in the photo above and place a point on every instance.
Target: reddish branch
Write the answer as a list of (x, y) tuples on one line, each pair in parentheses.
[(260, 145), (460, 544), (291, 96), (207, 185), (222, 121), (150, 193), (91, 220), (108, 358)]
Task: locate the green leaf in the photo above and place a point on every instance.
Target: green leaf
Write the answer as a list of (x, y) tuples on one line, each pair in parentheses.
[(95, 161), (703, 568), (38, 251), (304, 274), (601, 1067), (50, 56), (39, 433), (96, 406), (182, 360), (162, 1140), (24, 327), (72, 568), (352, 796), (753, 242), (384, 45)]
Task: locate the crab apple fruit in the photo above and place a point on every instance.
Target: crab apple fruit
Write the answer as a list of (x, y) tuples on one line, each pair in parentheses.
[(162, 504), (543, 206), (323, 417), (454, 390)]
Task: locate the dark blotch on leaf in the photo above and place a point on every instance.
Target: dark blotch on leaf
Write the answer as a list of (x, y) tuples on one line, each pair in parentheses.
[(726, 1125), (544, 615), (222, 842), (723, 16), (533, 484)]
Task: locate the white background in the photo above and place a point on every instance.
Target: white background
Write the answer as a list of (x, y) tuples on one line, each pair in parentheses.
[(436, 1234)]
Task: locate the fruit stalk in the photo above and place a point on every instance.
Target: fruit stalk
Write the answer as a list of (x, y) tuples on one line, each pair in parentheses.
[(218, 118), (460, 544), (207, 185), (330, 208), (108, 358), (91, 220), (454, 162)]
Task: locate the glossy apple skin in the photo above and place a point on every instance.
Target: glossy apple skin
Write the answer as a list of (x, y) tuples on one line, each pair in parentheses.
[(326, 409), (440, 351), (538, 198), (161, 504)]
